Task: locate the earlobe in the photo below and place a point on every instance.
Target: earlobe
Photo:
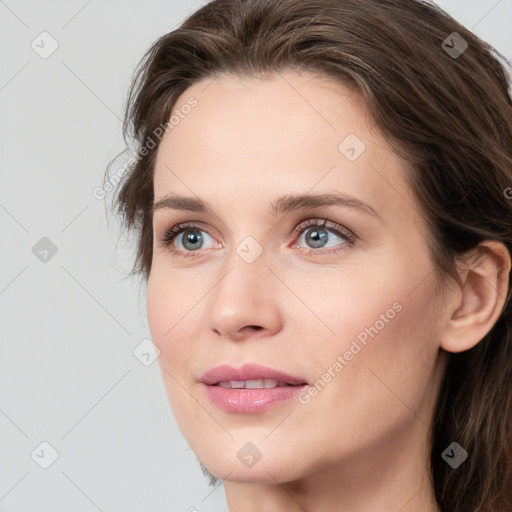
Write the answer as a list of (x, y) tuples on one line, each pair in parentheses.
[(478, 304)]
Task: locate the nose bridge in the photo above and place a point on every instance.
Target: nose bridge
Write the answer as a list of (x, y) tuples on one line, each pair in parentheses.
[(246, 271), (245, 295)]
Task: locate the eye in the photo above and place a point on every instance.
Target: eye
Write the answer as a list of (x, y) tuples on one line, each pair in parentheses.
[(192, 239), (314, 232)]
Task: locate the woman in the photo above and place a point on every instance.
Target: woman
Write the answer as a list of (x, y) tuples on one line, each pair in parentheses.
[(320, 198)]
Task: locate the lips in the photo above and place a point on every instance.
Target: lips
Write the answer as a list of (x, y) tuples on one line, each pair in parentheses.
[(250, 389), (249, 376)]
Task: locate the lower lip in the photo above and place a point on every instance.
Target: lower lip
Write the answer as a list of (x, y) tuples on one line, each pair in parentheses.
[(250, 400)]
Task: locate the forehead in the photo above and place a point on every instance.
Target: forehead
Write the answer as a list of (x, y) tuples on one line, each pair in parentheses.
[(255, 139)]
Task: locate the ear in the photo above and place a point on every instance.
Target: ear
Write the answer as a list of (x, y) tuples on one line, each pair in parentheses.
[(474, 308)]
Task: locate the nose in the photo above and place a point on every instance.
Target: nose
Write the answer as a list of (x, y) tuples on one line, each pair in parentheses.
[(245, 301)]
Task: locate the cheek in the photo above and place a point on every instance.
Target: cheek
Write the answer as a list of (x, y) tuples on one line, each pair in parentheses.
[(170, 314), (386, 337), (359, 304), (382, 324), (159, 308), (172, 317)]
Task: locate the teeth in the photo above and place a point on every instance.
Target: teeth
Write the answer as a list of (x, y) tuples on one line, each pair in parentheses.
[(255, 384), (252, 384)]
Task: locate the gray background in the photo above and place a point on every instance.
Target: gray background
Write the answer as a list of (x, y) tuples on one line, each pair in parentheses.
[(70, 324)]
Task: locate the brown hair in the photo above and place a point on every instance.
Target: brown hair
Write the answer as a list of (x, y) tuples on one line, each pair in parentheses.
[(448, 115)]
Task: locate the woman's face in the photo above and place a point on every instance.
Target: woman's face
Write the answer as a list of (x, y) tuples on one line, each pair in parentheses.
[(349, 309)]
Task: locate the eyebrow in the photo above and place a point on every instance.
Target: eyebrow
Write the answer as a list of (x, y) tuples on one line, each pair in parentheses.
[(283, 204)]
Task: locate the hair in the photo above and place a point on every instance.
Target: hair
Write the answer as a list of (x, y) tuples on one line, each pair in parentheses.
[(448, 116)]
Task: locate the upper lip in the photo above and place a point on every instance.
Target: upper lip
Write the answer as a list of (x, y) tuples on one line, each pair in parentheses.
[(225, 373)]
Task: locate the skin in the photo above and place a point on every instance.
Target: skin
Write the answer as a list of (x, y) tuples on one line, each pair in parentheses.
[(361, 443)]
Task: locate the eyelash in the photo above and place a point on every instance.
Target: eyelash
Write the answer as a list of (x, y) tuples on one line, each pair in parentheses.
[(169, 236)]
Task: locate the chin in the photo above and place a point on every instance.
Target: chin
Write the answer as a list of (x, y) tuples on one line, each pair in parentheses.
[(266, 470)]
